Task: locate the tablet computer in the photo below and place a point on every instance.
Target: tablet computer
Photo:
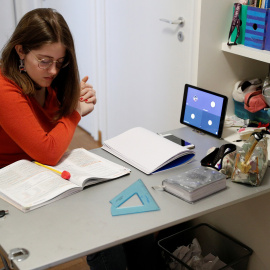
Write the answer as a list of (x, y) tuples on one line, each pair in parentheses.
[(203, 110)]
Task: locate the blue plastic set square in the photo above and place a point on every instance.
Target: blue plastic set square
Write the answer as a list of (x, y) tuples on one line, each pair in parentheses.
[(138, 188)]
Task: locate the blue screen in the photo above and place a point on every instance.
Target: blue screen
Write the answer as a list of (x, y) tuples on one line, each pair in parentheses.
[(203, 110)]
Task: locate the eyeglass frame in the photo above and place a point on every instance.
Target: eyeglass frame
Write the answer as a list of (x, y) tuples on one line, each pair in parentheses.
[(50, 63)]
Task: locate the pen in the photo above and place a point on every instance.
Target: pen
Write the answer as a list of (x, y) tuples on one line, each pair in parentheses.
[(66, 175), (3, 213)]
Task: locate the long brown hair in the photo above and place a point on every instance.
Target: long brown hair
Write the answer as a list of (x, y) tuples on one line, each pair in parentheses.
[(39, 27)]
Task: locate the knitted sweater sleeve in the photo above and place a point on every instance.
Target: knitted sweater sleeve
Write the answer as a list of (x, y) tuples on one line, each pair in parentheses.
[(20, 121)]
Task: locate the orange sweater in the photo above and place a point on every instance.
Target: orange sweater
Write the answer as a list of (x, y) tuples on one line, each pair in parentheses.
[(27, 130)]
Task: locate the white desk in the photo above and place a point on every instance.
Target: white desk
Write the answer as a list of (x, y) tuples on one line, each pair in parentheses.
[(82, 223)]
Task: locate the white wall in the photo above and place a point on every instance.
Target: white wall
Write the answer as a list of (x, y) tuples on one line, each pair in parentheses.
[(81, 18), (7, 21)]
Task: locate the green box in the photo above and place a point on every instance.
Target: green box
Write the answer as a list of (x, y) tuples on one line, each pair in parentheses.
[(243, 19)]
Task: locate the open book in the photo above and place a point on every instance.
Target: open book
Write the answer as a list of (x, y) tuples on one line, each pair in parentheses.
[(147, 151), (28, 186)]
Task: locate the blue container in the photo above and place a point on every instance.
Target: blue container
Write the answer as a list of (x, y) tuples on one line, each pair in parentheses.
[(267, 32), (240, 111), (255, 27), (260, 116)]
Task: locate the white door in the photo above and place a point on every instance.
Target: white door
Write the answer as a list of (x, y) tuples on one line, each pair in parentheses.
[(146, 64), (80, 16)]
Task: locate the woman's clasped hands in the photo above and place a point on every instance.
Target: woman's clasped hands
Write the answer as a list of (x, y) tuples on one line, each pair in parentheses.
[(87, 98)]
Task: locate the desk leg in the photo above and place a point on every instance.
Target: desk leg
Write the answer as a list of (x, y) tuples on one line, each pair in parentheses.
[(4, 263)]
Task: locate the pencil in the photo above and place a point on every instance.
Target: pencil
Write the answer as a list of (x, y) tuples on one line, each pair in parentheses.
[(66, 175)]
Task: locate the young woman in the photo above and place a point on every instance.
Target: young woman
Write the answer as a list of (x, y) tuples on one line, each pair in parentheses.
[(41, 97), (41, 103)]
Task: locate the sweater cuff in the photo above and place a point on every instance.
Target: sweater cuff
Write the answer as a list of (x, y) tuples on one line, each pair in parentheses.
[(76, 116)]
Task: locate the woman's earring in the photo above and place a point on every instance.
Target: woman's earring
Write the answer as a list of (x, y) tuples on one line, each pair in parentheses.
[(21, 66)]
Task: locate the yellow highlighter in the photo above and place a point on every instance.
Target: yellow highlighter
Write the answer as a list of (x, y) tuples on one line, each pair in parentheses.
[(65, 175)]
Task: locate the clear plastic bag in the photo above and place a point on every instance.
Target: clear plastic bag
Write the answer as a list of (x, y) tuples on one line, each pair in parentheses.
[(251, 161)]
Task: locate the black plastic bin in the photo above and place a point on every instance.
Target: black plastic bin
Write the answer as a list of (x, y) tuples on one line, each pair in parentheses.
[(233, 253)]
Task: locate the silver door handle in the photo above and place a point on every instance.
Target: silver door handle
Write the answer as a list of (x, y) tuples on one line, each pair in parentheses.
[(179, 21)]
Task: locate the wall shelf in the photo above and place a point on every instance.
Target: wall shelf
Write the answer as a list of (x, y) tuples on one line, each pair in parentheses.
[(260, 55)]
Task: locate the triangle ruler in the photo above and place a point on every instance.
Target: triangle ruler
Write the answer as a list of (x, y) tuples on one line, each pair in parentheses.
[(138, 188)]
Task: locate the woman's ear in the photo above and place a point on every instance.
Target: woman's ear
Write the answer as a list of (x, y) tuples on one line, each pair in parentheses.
[(20, 52)]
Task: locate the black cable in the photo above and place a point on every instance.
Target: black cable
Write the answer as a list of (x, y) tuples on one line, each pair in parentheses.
[(3, 213)]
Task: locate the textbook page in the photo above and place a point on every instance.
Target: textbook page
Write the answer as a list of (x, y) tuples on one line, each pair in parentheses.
[(87, 168), (28, 186)]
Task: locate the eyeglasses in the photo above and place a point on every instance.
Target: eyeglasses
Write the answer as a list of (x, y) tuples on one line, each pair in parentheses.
[(47, 62)]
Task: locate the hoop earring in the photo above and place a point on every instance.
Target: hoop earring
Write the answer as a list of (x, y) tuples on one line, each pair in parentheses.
[(21, 66)]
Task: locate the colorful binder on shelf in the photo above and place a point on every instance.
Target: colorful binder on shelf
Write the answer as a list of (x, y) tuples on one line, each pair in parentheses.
[(243, 18), (267, 32), (255, 27)]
